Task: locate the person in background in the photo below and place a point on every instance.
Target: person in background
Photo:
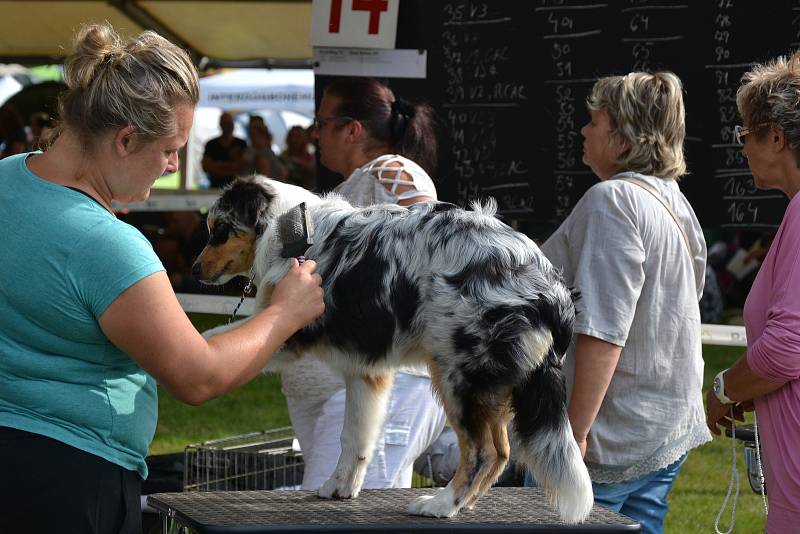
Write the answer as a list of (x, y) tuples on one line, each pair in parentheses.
[(40, 124), (13, 137), (299, 158), (367, 134), (636, 253), (259, 155), (223, 158), (82, 347), (767, 376), (184, 236), (711, 304)]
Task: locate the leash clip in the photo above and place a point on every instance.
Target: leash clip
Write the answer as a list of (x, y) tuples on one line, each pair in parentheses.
[(246, 292)]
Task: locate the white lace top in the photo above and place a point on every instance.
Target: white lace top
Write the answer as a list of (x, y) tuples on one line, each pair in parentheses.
[(367, 185)]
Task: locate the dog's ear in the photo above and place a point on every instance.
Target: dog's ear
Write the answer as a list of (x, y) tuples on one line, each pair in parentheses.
[(250, 201)]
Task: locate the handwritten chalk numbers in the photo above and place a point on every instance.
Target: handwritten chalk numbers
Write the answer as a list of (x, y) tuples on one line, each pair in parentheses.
[(722, 53), (723, 21), (743, 212), (560, 23), (639, 22), (641, 53), (460, 13), (734, 158), (738, 188)]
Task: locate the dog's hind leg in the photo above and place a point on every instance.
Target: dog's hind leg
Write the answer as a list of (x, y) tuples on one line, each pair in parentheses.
[(458, 492), (480, 463), (498, 426), (365, 410)]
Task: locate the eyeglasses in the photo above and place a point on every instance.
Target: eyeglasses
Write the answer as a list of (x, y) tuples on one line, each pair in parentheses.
[(740, 131), (319, 122)]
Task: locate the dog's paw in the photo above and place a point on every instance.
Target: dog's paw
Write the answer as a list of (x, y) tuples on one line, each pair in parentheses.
[(333, 488), (439, 505)]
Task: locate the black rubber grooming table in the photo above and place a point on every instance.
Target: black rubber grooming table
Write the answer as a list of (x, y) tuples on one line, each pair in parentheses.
[(384, 511)]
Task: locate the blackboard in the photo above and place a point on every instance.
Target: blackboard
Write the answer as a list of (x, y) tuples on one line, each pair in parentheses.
[(509, 79)]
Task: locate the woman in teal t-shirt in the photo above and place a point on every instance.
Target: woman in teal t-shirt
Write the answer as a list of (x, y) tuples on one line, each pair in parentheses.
[(88, 319)]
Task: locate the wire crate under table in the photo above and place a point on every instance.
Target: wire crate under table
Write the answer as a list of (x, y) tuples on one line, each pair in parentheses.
[(256, 461)]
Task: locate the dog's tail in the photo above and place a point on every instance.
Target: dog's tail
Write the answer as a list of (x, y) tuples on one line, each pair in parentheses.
[(542, 433), (544, 442)]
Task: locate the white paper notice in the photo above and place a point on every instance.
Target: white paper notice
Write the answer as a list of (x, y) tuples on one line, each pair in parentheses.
[(378, 63)]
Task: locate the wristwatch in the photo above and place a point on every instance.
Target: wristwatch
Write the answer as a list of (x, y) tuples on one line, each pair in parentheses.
[(719, 388)]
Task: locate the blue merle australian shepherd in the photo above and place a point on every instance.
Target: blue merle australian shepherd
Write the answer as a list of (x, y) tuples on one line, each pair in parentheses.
[(457, 289)]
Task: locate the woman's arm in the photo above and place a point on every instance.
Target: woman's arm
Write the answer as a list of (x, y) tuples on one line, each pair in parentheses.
[(595, 362), (147, 322), (741, 385)]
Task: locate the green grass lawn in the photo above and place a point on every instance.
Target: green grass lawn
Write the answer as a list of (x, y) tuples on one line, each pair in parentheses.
[(258, 405), (694, 501), (170, 181)]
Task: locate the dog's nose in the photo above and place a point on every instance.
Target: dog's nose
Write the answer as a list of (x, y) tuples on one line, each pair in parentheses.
[(197, 271)]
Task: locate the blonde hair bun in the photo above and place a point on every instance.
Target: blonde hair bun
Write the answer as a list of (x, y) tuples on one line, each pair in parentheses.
[(115, 83), (92, 44)]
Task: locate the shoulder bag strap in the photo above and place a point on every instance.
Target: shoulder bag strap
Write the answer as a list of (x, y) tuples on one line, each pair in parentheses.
[(650, 189)]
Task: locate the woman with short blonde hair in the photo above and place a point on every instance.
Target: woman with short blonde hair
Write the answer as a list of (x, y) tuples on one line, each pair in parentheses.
[(654, 141), (634, 249), (767, 377)]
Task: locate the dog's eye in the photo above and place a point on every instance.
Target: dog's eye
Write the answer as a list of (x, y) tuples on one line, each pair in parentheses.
[(219, 234)]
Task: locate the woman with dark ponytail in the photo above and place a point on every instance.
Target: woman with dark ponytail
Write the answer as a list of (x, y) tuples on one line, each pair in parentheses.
[(385, 146)]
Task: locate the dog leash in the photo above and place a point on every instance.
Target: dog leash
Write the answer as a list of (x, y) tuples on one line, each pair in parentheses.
[(734, 481), (245, 292), (735, 478)]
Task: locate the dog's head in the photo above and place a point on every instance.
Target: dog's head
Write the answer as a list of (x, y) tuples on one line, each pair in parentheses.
[(246, 210)]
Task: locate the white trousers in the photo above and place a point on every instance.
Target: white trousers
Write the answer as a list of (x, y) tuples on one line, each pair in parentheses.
[(414, 420)]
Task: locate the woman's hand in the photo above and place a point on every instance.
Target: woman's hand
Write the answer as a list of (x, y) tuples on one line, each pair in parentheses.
[(720, 414), (299, 294), (582, 446)]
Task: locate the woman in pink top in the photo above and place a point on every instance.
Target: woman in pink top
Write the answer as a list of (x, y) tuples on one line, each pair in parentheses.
[(767, 376)]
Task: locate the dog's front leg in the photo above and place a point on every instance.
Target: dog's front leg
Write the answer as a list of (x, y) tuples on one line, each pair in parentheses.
[(365, 410)]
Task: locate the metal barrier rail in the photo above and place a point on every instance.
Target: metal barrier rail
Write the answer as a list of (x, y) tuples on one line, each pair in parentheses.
[(711, 334), (171, 202)]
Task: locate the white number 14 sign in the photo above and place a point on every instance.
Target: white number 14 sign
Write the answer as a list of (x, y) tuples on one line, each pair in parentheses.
[(354, 23)]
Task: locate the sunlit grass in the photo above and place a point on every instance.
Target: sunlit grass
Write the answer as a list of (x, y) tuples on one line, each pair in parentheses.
[(170, 181)]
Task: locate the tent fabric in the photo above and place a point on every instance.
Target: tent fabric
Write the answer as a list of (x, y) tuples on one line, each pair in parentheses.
[(260, 89), (32, 30), (45, 29)]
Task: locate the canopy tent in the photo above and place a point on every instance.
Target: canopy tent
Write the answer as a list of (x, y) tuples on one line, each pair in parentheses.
[(259, 89), (216, 32)]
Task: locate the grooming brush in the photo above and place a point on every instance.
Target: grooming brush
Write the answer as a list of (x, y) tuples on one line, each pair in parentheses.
[(295, 230)]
